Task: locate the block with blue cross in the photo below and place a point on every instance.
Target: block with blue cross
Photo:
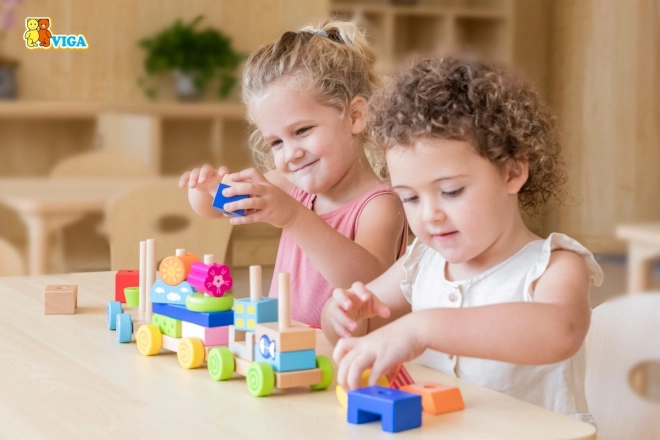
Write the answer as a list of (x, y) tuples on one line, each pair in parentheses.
[(219, 201), (397, 410), (249, 313)]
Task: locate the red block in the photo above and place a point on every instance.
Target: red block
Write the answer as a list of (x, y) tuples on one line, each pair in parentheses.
[(123, 279)]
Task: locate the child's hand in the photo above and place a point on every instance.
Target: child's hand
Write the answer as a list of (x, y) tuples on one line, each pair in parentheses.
[(204, 179), (347, 307), (381, 351), (267, 202)]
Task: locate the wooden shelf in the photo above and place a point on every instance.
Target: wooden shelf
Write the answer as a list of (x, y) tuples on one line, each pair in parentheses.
[(398, 32), (90, 110), (347, 8)]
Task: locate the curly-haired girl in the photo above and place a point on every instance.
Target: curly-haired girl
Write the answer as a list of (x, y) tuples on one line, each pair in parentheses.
[(468, 148)]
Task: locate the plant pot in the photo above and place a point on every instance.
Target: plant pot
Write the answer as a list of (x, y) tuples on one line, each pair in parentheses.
[(7, 83), (185, 87)]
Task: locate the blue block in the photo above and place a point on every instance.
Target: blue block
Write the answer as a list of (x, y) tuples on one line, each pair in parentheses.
[(205, 319), (397, 410), (248, 314), (161, 292), (219, 201), (265, 351)]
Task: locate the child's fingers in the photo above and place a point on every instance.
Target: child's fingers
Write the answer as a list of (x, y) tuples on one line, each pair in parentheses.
[(379, 308), (250, 174), (193, 178), (345, 361), (377, 369), (374, 306), (342, 324), (361, 291), (183, 181), (243, 188), (343, 346), (341, 296), (254, 217), (358, 365), (253, 203), (222, 172), (205, 173)]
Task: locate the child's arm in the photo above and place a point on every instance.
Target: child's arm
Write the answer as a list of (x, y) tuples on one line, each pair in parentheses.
[(373, 251), (548, 330), (357, 311)]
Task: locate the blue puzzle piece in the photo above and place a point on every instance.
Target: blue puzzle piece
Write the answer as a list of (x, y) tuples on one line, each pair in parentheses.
[(205, 319), (219, 201), (265, 351), (397, 410), (248, 314), (161, 292)]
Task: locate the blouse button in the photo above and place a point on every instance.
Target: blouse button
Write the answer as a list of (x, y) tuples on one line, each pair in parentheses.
[(451, 357), (452, 297)]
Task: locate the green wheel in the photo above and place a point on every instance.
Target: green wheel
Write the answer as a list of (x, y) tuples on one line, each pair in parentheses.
[(260, 379), (220, 363), (327, 373)]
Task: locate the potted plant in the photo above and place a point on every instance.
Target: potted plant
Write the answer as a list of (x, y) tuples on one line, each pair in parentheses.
[(7, 65), (194, 57)]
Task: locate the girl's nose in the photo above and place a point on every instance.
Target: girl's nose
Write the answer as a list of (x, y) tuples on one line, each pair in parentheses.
[(292, 152), (432, 213)]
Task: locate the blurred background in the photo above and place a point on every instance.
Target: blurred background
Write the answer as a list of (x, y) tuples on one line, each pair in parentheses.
[(156, 94), (161, 94)]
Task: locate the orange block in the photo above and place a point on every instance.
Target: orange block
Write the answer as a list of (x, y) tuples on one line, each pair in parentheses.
[(437, 398)]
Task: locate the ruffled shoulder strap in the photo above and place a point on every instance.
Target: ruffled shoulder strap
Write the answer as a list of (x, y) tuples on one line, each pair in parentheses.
[(556, 241)]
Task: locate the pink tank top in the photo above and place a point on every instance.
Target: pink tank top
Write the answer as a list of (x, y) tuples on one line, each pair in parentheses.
[(309, 290)]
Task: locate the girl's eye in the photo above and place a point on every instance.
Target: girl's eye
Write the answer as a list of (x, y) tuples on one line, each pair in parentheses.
[(275, 143), (409, 199), (454, 193), (303, 130)]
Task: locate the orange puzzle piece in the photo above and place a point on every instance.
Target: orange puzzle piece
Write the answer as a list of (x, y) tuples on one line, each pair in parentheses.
[(437, 398)]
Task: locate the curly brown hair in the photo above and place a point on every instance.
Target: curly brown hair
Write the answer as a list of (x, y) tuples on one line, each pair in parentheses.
[(468, 100)]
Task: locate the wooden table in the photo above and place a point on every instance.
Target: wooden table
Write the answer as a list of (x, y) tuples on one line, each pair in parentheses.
[(643, 247), (67, 377), (46, 205)]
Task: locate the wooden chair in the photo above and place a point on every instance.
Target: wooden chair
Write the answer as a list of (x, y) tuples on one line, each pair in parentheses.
[(11, 261), (81, 243), (624, 334), (161, 210)]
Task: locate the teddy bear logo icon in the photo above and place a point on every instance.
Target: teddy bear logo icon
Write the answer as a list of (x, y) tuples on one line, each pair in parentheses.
[(38, 33)]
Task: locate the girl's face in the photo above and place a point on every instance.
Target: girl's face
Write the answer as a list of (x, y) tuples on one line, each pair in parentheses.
[(313, 146), (456, 201)]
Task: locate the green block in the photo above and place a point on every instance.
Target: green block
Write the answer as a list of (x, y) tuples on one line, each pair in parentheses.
[(167, 326)]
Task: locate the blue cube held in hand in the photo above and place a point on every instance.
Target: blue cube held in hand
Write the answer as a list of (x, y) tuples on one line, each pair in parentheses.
[(220, 200)]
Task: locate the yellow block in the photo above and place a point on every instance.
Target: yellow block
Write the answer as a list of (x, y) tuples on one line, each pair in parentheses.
[(364, 381)]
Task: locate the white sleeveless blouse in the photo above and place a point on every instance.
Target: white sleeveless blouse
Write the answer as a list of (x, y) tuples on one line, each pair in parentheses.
[(558, 387)]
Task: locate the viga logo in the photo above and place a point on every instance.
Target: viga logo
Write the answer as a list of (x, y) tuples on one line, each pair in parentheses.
[(38, 35)]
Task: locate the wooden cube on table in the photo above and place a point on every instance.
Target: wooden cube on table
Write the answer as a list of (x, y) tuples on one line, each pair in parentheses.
[(60, 299)]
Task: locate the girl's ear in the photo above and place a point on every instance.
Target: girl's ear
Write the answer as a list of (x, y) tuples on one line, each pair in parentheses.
[(358, 112), (516, 172)]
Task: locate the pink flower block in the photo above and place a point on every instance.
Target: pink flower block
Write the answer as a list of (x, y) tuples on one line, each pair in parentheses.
[(214, 279)]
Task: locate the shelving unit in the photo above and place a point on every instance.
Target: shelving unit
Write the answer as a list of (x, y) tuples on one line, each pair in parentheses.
[(482, 28), (171, 137)]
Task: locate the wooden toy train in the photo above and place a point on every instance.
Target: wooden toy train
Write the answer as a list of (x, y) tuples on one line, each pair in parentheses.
[(188, 311)]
